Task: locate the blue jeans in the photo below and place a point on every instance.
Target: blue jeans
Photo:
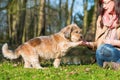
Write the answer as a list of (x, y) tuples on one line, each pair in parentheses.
[(108, 53)]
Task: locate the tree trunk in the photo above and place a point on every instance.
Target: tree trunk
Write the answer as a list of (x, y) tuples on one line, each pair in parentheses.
[(22, 4), (66, 12), (94, 18), (9, 27), (48, 11), (35, 19), (60, 14), (26, 23), (69, 18), (85, 23), (13, 20), (72, 11), (41, 19)]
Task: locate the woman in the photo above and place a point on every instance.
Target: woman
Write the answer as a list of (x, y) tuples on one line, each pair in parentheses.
[(107, 40), (107, 18)]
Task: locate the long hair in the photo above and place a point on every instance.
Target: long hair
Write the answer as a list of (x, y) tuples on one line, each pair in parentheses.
[(100, 8), (117, 8)]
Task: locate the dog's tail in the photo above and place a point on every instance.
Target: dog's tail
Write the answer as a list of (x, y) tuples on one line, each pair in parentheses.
[(9, 53)]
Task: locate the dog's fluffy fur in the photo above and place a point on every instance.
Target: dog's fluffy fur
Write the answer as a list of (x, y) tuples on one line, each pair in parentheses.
[(47, 47)]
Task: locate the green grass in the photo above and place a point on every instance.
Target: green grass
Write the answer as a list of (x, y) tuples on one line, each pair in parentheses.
[(8, 71)]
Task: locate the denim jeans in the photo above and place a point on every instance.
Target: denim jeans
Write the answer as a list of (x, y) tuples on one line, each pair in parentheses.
[(108, 53)]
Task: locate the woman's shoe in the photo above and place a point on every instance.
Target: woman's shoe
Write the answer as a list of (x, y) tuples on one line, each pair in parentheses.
[(111, 65)]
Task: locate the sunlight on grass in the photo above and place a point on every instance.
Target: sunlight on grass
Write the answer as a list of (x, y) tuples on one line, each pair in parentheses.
[(9, 71)]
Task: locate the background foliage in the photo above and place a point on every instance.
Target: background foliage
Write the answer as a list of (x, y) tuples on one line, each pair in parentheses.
[(21, 20)]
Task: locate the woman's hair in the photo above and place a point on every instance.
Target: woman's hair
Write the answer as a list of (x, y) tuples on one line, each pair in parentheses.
[(100, 7), (117, 8)]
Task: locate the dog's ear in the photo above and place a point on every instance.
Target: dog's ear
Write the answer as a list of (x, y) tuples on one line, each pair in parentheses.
[(74, 26), (67, 31)]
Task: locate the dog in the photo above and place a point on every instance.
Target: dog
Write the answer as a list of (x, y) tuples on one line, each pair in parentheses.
[(48, 47)]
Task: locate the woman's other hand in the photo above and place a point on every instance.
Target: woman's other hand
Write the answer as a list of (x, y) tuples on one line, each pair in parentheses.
[(112, 42), (107, 41)]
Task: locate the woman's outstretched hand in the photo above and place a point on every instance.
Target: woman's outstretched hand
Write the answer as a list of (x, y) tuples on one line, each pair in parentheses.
[(83, 43)]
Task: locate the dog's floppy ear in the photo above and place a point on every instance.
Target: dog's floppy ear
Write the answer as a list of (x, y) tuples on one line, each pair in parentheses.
[(67, 31), (74, 26)]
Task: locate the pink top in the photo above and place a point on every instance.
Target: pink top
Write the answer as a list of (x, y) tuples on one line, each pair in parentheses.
[(109, 17)]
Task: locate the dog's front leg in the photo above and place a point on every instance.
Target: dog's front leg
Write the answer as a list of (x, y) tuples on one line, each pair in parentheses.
[(72, 44), (57, 62)]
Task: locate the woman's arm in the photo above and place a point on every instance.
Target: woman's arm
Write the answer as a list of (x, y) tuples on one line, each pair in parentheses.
[(99, 21), (112, 42), (91, 45)]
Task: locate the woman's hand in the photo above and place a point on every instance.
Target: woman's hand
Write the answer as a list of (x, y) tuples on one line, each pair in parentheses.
[(112, 42), (83, 43), (107, 41)]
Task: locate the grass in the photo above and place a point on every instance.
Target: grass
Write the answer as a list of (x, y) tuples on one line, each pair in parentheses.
[(9, 71)]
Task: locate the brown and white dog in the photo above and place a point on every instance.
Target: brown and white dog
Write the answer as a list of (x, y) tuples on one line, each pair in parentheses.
[(47, 47)]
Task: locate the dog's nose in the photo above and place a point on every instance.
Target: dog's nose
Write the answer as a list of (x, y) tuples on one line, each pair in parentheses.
[(81, 37)]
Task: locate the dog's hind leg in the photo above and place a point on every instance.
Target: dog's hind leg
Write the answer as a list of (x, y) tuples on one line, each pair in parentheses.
[(27, 64), (35, 62)]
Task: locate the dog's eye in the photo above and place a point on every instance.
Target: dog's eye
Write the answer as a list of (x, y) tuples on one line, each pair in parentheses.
[(76, 32)]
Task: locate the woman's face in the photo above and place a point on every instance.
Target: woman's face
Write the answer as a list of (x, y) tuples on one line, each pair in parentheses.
[(105, 4)]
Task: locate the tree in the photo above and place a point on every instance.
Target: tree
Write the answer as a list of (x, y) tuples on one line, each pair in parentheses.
[(94, 18), (41, 19), (60, 14), (69, 13), (26, 24), (66, 12), (13, 20), (85, 23)]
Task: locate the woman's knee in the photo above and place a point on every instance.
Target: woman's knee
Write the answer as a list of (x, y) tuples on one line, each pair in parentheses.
[(104, 46), (100, 49)]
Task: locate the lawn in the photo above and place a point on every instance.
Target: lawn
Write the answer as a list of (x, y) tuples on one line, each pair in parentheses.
[(9, 71)]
